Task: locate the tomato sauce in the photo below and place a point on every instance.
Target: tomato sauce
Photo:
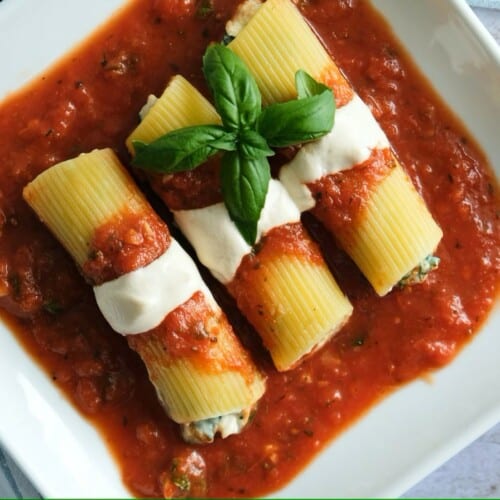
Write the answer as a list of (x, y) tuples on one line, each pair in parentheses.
[(127, 242), (341, 197), (191, 189), (195, 333), (333, 78), (91, 100)]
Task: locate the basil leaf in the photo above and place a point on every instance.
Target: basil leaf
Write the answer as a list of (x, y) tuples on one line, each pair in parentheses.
[(183, 149), (252, 145), (307, 86), (244, 187), (294, 122), (236, 95)]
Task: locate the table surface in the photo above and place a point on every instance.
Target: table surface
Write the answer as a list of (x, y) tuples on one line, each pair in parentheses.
[(472, 473)]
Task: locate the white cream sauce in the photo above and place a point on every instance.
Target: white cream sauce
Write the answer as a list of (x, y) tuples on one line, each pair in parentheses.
[(216, 239), (353, 137), (139, 301)]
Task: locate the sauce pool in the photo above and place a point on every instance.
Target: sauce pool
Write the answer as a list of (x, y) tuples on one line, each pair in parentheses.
[(91, 100)]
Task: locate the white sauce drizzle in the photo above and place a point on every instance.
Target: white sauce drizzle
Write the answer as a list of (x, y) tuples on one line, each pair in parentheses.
[(140, 300), (148, 106), (353, 137), (245, 11), (217, 241)]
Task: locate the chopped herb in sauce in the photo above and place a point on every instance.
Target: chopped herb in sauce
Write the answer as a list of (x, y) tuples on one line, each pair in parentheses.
[(205, 8), (52, 307)]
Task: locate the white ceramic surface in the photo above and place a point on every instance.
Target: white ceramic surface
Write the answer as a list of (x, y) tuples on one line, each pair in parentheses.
[(397, 442)]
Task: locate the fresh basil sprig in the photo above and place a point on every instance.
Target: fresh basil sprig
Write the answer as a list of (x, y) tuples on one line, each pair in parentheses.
[(245, 137)]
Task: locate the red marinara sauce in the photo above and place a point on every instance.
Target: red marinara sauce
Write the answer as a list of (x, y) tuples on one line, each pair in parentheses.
[(127, 242), (91, 99)]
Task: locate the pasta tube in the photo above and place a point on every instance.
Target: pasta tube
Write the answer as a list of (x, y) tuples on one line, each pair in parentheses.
[(388, 230), (149, 289), (282, 285), (273, 56)]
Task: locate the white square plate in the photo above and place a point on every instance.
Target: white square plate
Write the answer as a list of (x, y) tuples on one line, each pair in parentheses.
[(396, 443)]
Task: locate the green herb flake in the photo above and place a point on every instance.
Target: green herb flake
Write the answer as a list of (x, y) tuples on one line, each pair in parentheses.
[(205, 8), (358, 341), (182, 482), (52, 307), (15, 283)]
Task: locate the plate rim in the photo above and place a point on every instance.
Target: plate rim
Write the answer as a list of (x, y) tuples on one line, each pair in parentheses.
[(473, 430)]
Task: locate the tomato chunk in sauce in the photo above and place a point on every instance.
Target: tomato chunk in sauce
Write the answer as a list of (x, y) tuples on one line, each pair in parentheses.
[(90, 100)]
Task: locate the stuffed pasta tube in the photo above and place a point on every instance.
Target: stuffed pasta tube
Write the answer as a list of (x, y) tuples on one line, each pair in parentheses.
[(149, 289), (281, 283), (349, 179)]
